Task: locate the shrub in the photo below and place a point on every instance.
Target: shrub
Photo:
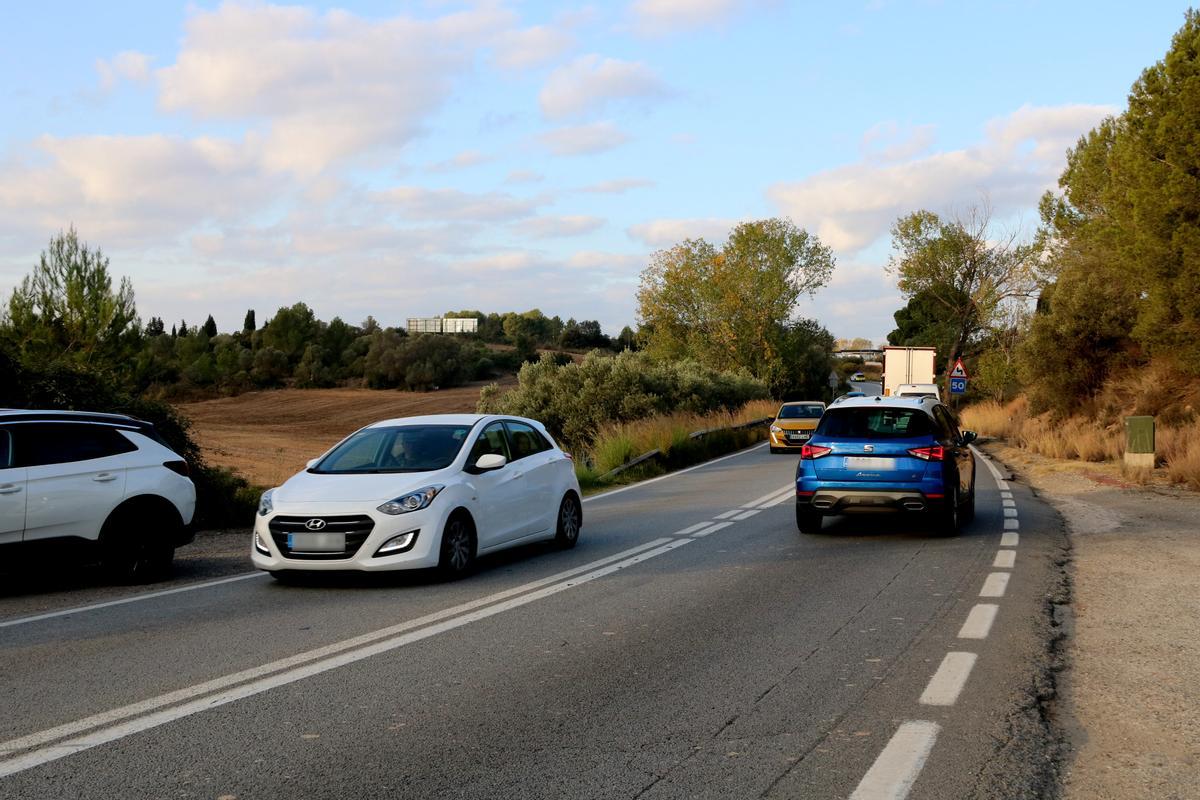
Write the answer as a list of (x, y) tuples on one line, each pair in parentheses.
[(575, 401)]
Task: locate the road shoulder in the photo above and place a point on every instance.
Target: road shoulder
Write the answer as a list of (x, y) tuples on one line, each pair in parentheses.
[(1128, 695)]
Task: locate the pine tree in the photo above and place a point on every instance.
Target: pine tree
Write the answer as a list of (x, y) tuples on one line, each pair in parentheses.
[(210, 326), (248, 325)]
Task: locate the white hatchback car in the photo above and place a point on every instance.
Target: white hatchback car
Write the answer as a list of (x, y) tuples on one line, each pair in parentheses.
[(95, 484), (417, 492)]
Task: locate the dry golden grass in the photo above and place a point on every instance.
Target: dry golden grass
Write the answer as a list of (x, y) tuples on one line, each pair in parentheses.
[(268, 436), (617, 443), (1085, 439)]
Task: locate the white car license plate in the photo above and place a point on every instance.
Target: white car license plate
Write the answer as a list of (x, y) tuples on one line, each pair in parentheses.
[(317, 542), (799, 437), (870, 463)]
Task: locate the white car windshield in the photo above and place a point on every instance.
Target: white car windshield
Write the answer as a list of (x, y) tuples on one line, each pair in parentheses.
[(402, 448)]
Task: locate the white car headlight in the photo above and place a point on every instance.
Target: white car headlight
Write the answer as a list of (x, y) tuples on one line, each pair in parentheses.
[(265, 506), (413, 501), (776, 429)]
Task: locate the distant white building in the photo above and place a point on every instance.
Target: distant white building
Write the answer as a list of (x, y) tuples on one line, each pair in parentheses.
[(443, 325)]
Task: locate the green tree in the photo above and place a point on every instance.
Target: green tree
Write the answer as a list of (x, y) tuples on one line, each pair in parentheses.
[(67, 310), (963, 267), (248, 324), (210, 326), (1126, 227), (728, 308), (291, 331)]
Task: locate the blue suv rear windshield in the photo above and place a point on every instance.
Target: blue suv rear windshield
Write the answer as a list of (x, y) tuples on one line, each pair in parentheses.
[(875, 423)]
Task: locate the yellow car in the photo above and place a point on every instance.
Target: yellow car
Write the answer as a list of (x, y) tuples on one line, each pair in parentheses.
[(794, 424)]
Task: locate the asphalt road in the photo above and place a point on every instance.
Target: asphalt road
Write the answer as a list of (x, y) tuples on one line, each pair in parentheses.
[(692, 645)]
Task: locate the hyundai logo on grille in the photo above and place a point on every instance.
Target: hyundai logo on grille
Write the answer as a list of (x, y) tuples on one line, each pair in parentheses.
[(315, 524)]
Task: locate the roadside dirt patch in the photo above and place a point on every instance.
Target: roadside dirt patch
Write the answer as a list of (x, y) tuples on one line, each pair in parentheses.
[(268, 436), (1132, 683)]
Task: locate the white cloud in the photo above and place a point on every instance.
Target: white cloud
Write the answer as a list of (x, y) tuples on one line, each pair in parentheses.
[(618, 186), (598, 261), (531, 47), (128, 65), (326, 86), (590, 82), (124, 189), (524, 176), (559, 227), (1020, 156), (887, 141), (595, 137), (420, 203), (668, 232), (658, 17), (467, 158)]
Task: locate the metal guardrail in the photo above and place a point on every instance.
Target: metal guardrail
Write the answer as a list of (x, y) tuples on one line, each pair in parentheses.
[(644, 457)]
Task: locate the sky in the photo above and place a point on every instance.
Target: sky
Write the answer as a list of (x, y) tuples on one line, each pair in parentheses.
[(408, 159)]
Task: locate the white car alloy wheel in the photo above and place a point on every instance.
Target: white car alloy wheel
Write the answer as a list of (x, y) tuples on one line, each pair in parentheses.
[(458, 547), (570, 519)]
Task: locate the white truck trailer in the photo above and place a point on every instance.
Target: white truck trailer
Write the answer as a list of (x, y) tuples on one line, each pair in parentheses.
[(907, 365)]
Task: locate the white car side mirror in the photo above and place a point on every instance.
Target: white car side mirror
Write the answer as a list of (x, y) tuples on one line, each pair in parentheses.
[(490, 461)]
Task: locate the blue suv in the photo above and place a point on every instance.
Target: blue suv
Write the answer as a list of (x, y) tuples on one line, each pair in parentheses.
[(900, 454)]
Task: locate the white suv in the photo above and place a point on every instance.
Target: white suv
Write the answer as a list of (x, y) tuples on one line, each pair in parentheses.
[(103, 484)]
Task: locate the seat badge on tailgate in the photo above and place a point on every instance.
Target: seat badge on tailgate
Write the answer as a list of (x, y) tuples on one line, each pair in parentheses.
[(868, 448)]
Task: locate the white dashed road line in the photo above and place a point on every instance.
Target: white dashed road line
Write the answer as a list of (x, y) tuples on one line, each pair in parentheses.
[(979, 621), (774, 497), (948, 682), (1010, 539), (726, 514), (897, 767), (745, 515), (716, 526), (690, 529), (1005, 559), (1011, 525), (995, 585)]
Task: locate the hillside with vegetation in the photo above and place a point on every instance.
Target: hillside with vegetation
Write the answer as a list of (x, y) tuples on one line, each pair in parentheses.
[(1098, 317)]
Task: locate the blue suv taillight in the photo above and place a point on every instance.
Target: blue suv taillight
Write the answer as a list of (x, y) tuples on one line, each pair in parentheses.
[(814, 451), (934, 453)]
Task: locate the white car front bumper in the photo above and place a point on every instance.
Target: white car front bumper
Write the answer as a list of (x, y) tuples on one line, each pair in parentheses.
[(424, 552)]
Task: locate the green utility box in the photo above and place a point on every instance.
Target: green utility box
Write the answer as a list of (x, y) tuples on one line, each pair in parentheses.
[(1139, 442)]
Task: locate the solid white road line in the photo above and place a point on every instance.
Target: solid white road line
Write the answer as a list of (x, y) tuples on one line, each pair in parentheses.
[(995, 585), (1010, 512), (949, 680), (135, 598), (1010, 539), (716, 526), (987, 462), (188, 693), (897, 767), (979, 621), (669, 475), (690, 529), (104, 735), (1002, 485), (727, 514), (772, 497), (1011, 524), (745, 515), (1005, 559)]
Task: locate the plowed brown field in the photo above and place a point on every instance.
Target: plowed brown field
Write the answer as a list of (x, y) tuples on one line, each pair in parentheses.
[(268, 436)]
